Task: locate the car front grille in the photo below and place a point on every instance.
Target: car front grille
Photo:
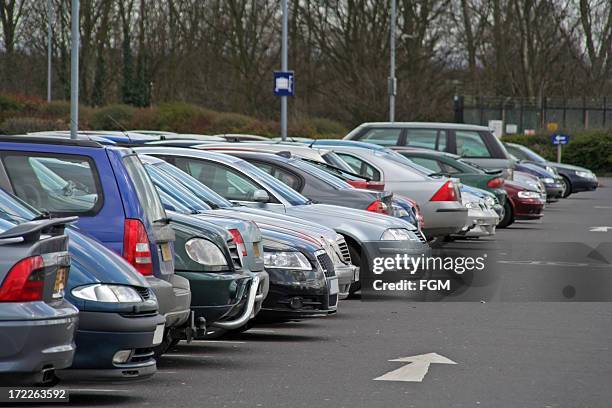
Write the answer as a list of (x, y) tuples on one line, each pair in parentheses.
[(234, 254), (344, 250), (326, 264), (144, 293), (141, 355)]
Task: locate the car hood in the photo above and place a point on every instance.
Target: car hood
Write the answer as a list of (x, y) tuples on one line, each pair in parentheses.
[(249, 230), (335, 216), (567, 166), (92, 262), (283, 241)]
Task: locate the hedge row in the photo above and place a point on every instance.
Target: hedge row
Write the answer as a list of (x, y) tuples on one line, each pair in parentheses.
[(19, 114), (591, 148)]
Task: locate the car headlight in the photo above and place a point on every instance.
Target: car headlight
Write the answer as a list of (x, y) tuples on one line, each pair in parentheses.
[(286, 260), (551, 170), (107, 293), (491, 201), (205, 252), (528, 194), (585, 174), (471, 205), (548, 180), (398, 234)]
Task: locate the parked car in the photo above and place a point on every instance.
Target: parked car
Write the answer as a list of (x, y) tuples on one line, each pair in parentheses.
[(470, 141), (242, 137), (318, 185), (482, 217), (368, 234), (37, 323), (531, 181), (524, 203), (184, 199), (575, 178), (553, 184), (116, 203), (439, 198), (451, 165)]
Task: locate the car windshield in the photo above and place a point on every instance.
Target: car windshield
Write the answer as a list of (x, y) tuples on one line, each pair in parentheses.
[(14, 210), (145, 190), (176, 191), (330, 179), (195, 187), (289, 194), (531, 154)]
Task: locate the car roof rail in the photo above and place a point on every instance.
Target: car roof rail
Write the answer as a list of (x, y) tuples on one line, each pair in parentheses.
[(55, 140)]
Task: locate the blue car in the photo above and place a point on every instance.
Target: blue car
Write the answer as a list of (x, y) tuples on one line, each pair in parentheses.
[(118, 319), (553, 183), (109, 189)]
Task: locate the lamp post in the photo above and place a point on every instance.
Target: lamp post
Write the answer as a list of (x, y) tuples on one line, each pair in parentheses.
[(74, 71), (392, 83), (284, 68)]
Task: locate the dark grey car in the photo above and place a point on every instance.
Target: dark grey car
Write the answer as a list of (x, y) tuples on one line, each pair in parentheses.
[(37, 325), (316, 184)]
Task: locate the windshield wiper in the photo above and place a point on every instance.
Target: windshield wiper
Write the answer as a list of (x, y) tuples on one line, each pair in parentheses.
[(42, 215)]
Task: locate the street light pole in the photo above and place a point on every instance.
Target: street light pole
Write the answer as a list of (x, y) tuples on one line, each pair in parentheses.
[(392, 80), (49, 47), (74, 71), (284, 67)]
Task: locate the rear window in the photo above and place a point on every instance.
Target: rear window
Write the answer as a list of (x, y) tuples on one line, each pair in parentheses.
[(145, 190), (59, 184), (471, 144)]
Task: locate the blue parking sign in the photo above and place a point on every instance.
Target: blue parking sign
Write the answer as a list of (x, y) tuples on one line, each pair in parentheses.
[(559, 139), (283, 83)]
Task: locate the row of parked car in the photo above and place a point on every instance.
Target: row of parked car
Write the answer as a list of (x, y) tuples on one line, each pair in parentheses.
[(117, 245)]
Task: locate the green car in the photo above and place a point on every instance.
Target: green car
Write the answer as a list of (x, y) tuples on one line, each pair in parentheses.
[(451, 165)]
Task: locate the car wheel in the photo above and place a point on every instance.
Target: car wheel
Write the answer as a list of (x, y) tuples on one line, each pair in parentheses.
[(508, 216), (355, 260), (568, 187)]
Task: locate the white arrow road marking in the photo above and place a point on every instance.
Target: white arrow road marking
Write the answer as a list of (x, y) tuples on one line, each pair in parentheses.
[(416, 370), (599, 229)]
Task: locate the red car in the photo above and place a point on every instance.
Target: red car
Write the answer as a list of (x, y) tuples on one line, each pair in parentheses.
[(522, 204)]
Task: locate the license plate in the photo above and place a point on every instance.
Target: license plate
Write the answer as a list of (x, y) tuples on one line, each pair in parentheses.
[(333, 287), (256, 250), (60, 282), (158, 336), (166, 252)]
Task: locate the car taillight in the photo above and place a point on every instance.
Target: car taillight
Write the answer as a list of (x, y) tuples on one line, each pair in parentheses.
[(24, 282), (417, 211), (136, 246), (446, 193), (378, 207), (358, 183), (375, 185), (237, 237), (496, 182)]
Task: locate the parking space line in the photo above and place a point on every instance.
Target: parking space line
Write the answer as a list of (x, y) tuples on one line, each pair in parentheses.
[(219, 341), (186, 355)]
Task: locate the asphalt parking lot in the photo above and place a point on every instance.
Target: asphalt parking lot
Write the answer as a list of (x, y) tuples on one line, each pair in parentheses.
[(518, 347)]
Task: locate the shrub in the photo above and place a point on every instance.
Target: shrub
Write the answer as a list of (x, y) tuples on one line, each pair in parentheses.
[(112, 117), (56, 109), (232, 123), (589, 148), (17, 126), (145, 119), (181, 117), (327, 128)]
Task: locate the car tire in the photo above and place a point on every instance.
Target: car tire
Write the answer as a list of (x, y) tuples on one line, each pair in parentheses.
[(438, 241), (355, 260), (508, 218), (568, 187)]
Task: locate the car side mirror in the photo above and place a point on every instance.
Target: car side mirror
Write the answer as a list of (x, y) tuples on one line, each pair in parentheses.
[(261, 196)]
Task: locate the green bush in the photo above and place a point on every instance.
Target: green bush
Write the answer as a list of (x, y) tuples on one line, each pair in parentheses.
[(18, 126), (590, 148), (183, 117), (228, 122), (56, 109), (327, 128), (112, 117)]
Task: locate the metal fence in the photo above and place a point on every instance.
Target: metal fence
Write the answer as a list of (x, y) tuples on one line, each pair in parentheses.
[(536, 113)]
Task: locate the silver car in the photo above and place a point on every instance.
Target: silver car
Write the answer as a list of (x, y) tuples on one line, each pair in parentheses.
[(367, 234), (482, 218), (438, 198)]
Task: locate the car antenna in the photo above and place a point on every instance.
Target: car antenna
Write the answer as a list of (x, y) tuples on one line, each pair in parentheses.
[(123, 130)]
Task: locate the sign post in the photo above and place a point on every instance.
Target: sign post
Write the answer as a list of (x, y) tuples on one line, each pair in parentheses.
[(284, 68), (559, 140), (74, 70)]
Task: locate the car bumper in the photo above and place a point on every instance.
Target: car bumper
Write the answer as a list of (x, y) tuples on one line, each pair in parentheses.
[(444, 218), (389, 249), (29, 346), (173, 298), (293, 301), (554, 191), (528, 209), (582, 184), (480, 223), (101, 335), (347, 275)]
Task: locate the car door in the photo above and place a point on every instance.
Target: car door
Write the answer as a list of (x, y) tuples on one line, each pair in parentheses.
[(228, 182)]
